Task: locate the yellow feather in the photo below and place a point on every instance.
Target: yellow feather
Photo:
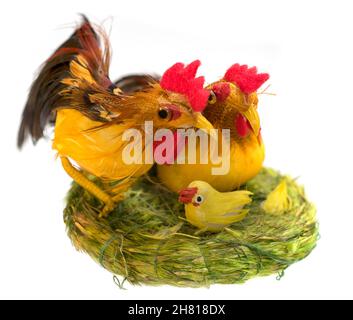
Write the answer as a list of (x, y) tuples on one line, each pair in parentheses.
[(97, 151), (81, 72), (277, 200)]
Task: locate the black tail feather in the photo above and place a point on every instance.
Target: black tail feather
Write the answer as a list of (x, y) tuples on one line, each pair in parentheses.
[(43, 97)]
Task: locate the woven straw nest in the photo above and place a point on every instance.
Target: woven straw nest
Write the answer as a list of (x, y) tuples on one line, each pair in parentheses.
[(146, 240)]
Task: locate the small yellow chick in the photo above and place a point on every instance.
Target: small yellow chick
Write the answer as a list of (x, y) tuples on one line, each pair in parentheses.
[(210, 210), (277, 201)]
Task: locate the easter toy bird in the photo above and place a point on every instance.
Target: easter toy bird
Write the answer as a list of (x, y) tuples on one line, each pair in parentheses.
[(90, 114), (210, 210), (232, 105)]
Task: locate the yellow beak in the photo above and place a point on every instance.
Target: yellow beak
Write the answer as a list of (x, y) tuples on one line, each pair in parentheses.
[(202, 123), (253, 117)]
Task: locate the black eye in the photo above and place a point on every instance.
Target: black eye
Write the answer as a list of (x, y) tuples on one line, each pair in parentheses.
[(199, 199), (212, 98), (163, 113)]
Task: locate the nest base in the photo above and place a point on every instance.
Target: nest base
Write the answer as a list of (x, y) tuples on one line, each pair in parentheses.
[(146, 239)]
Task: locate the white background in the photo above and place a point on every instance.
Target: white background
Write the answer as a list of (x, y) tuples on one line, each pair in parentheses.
[(306, 46)]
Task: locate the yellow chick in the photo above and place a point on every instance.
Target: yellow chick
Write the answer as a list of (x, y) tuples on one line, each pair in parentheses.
[(278, 200), (210, 210)]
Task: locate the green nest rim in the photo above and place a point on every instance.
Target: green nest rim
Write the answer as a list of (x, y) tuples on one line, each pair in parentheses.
[(146, 239)]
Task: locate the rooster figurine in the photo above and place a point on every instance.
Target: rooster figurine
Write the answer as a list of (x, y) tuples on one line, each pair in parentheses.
[(232, 105), (74, 92)]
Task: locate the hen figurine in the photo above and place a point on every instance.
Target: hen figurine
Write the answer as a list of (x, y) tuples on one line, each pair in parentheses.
[(210, 210), (232, 105), (73, 91)]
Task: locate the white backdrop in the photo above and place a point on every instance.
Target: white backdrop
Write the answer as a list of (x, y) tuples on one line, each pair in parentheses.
[(307, 49)]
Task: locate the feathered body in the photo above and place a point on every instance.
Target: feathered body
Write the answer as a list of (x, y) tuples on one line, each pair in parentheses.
[(232, 105)]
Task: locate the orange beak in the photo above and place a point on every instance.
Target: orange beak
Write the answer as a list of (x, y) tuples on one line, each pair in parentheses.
[(253, 117)]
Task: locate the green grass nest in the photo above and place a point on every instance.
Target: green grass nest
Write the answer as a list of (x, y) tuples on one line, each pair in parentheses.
[(146, 240)]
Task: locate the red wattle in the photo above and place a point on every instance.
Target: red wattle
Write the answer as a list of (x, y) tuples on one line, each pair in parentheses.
[(242, 125), (178, 145), (175, 110)]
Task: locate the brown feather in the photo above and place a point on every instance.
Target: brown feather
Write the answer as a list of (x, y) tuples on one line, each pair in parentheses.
[(46, 96), (136, 82)]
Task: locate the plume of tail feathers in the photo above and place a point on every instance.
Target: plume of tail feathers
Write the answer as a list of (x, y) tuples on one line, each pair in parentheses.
[(81, 52)]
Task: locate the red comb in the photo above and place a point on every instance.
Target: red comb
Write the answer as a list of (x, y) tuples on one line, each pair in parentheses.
[(181, 79), (247, 79)]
